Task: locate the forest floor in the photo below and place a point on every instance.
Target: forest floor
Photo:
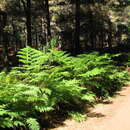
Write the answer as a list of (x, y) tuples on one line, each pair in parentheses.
[(110, 115)]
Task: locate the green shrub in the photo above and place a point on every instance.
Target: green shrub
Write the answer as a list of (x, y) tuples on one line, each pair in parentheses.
[(99, 74), (45, 80)]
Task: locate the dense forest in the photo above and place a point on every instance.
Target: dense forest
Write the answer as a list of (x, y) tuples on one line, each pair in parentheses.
[(56, 56), (77, 26)]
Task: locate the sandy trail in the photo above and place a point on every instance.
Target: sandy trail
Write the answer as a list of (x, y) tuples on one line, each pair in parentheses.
[(112, 116)]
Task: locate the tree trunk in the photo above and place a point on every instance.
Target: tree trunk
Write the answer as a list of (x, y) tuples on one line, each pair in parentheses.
[(110, 35), (5, 40), (77, 48), (48, 20), (28, 23), (27, 9)]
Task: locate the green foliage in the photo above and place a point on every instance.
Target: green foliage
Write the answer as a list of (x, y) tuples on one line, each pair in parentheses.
[(77, 116), (99, 74), (20, 101), (33, 124), (45, 80)]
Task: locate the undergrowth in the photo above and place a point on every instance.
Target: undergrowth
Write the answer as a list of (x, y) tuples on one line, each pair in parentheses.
[(49, 81)]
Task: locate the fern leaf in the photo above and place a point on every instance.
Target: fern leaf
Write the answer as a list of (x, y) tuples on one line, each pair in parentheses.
[(33, 124)]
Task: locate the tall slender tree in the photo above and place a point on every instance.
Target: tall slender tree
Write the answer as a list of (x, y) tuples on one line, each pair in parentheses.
[(29, 23), (4, 37), (77, 48), (27, 8), (48, 20)]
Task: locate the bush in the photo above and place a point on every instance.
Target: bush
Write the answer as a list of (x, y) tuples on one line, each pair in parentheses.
[(44, 81)]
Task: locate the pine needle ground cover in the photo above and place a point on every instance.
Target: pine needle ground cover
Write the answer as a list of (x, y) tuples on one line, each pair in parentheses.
[(45, 82)]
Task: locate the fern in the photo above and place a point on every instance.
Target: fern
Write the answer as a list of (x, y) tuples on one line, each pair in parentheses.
[(33, 124), (45, 80), (77, 116)]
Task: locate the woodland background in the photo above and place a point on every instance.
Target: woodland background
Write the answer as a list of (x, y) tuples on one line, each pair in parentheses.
[(77, 26)]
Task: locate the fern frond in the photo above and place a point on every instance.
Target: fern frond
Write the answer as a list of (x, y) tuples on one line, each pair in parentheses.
[(33, 124)]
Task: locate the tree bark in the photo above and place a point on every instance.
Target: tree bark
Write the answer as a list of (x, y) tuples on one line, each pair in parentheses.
[(77, 48), (29, 23), (110, 35), (48, 20), (27, 8), (5, 40)]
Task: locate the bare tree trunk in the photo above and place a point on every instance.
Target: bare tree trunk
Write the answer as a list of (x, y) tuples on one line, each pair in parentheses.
[(36, 36), (29, 23), (27, 8), (110, 35), (77, 48), (5, 40), (48, 20)]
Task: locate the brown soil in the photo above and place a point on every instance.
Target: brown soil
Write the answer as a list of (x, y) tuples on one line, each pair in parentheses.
[(113, 115)]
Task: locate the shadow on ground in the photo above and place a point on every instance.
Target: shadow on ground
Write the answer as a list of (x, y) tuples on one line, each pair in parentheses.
[(95, 114)]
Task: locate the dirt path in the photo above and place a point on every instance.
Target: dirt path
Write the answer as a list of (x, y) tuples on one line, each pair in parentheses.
[(112, 116)]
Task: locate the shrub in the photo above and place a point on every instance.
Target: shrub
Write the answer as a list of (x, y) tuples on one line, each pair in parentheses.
[(44, 81)]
